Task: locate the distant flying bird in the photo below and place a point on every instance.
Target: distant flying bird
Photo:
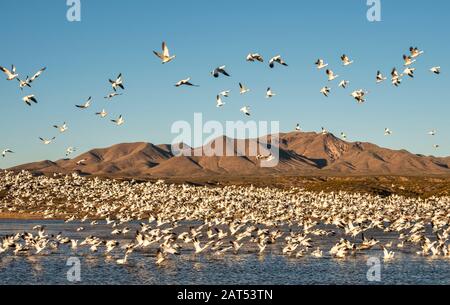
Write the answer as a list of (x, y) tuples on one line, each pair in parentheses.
[(325, 91), (436, 70), (24, 83), (346, 60), (255, 57), (380, 77), (432, 133), (243, 89), (185, 82), (10, 74), (415, 52), (70, 150), (86, 105), (331, 75), (344, 83), (81, 162), (102, 114), (219, 70), (343, 136), (6, 151), (225, 93), (118, 83), (38, 73), (436, 146), (320, 64), (119, 121), (165, 55), (408, 60), (387, 132), (245, 110), (219, 101), (324, 131), (112, 95), (358, 95), (29, 98), (396, 80), (277, 59), (297, 128), (47, 142), (63, 128), (270, 93), (409, 72)]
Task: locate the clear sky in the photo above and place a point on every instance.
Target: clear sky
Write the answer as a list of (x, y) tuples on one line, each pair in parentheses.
[(119, 36)]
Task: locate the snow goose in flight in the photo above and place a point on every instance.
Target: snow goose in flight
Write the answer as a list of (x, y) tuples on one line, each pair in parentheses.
[(70, 150), (119, 121), (387, 132), (436, 70), (380, 77), (10, 74), (86, 105), (270, 93), (225, 93), (325, 91), (243, 89), (219, 70), (102, 113), (344, 83), (81, 162), (331, 75), (324, 131), (47, 142), (255, 57), (38, 73), (63, 128), (346, 60), (29, 98), (320, 64), (343, 136), (297, 128), (358, 95), (24, 83), (246, 110), (436, 146), (432, 133), (165, 55), (415, 52), (396, 80), (118, 83), (277, 59), (185, 82), (409, 71), (6, 151), (408, 60), (112, 95), (219, 101)]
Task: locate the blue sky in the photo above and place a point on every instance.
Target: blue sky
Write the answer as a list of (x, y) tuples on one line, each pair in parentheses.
[(119, 36)]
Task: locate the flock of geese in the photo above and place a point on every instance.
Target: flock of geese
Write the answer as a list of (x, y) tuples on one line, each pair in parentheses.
[(165, 221), (166, 57)]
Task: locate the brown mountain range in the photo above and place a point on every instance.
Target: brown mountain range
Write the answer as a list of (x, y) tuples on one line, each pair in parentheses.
[(301, 154)]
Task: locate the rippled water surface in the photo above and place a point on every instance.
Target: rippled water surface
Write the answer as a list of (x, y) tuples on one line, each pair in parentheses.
[(188, 268)]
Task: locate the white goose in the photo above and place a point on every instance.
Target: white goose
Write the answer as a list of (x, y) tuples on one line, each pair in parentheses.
[(270, 93), (36, 75), (47, 142), (185, 82), (380, 77), (320, 64), (277, 59), (119, 121), (219, 101), (225, 93), (409, 71), (10, 74), (346, 60), (344, 83), (70, 150), (112, 95), (118, 83), (246, 110), (408, 60), (436, 70), (297, 128), (102, 113), (220, 70), (243, 89), (63, 128), (325, 91), (331, 75), (29, 98), (255, 57), (165, 55), (86, 105), (6, 151), (387, 132), (415, 52)]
